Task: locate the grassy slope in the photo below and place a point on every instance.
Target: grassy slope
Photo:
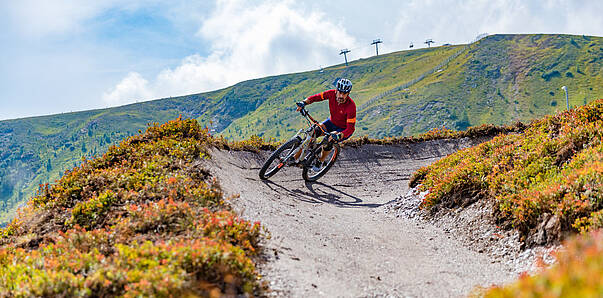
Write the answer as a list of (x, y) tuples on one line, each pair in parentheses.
[(498, 80), (276, 117), (145, 219)]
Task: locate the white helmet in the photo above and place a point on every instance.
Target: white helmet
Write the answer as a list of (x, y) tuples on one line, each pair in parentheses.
[(344, 85)]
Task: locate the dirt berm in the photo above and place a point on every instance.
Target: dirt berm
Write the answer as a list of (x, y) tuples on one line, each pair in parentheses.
[(334, 238)]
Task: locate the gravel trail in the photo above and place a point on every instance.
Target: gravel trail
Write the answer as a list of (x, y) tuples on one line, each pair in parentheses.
[(333, 239)]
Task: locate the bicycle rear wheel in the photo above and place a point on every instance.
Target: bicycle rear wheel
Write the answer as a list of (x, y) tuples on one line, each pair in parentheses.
[(308, 172), (277, 159)]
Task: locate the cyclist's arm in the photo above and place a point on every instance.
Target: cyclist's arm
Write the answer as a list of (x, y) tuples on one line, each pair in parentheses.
[(350, 123), (317, 97)]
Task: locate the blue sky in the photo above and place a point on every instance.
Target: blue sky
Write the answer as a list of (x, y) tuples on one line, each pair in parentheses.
[(70, 55)]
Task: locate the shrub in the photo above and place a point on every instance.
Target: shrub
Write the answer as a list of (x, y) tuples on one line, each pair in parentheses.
[(552, 74), (485, 130), (75, 266), (88, 213), (578, 272), (553, 170), (144, 219)]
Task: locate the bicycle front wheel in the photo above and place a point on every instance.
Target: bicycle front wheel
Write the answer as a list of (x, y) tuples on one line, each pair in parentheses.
[(277, 159)]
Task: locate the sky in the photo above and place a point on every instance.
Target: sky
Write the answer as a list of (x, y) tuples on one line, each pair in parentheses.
[(71, 55)]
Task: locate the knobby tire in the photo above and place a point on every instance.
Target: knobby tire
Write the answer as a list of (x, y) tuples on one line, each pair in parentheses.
[(316, 176), (265, 172)]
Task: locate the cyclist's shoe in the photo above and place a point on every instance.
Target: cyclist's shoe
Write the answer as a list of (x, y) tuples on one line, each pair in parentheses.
[(318, 165), (290, 161)]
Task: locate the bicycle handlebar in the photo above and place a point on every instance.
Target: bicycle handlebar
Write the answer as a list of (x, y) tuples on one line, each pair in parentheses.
[(310, 119)]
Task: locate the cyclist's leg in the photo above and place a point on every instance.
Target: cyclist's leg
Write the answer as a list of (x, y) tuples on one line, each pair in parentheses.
[(315, 134), (330, 127), (318, 131)]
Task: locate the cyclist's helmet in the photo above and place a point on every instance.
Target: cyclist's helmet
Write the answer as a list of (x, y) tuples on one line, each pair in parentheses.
[(344, 85)]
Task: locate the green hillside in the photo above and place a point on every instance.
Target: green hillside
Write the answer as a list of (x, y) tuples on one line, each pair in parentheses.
[(371, 77), (500, 79)]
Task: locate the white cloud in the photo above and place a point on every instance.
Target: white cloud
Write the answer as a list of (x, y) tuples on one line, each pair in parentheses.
[(132, 88), (269, 38), (585, 19), (461, 21), (40, 18), (35, 18), (452, 21)]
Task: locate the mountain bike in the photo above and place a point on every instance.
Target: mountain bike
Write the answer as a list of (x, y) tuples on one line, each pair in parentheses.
[(307, 148)]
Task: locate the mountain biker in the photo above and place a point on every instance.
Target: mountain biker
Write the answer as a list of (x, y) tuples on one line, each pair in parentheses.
[(343, 116)]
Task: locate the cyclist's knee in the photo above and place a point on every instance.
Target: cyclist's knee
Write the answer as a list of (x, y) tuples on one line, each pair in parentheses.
[(317, 132), (328, 146)]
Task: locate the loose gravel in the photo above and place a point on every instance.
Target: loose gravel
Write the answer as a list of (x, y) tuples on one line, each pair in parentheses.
[(358, 232)]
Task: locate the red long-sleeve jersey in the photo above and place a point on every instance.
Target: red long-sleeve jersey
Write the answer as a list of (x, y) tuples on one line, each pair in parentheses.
[(342, 115)]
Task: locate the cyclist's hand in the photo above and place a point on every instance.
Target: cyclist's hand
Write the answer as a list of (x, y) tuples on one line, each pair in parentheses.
[(336, 137), (300, 105)]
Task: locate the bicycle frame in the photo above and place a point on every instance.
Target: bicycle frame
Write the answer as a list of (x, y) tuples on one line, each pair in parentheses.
[(302, 150), (307, 139)]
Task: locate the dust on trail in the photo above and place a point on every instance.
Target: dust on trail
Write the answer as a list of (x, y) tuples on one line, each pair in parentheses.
[(333, 239)]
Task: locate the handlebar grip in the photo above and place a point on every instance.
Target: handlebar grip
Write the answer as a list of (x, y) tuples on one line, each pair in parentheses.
[(335, 137)]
